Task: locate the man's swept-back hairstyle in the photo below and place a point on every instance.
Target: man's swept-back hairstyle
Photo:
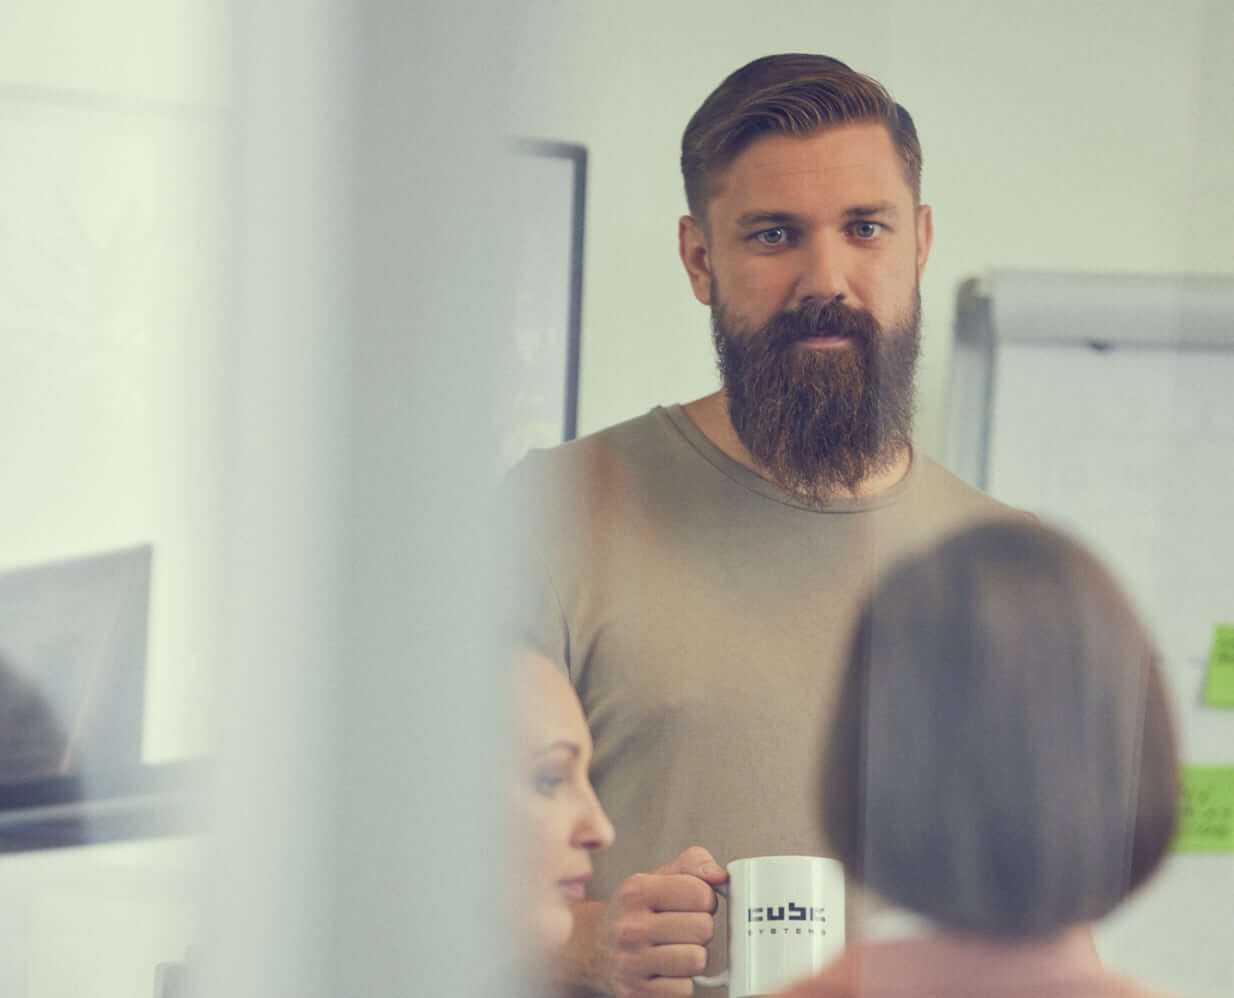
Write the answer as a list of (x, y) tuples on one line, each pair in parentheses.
[(1003, 758), (793, 94)]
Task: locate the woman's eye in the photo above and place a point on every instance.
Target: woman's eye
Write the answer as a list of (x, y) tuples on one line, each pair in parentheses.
[(547, 783)]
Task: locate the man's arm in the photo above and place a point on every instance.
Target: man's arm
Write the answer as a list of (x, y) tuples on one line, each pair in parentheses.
[(651, 938), (580, 969)]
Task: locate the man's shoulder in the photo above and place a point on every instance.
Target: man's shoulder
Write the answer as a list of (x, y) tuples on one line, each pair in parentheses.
[(576, 506), (598, 459), (939, 504), (937, 488)]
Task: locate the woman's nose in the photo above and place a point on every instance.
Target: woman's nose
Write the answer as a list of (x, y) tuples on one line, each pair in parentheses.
[(594, 830)]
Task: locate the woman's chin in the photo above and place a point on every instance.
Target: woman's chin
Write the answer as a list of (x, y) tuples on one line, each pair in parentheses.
[(555, 924)]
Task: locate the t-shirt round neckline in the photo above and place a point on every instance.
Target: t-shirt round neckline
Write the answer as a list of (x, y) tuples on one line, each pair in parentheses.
[(743, 476)]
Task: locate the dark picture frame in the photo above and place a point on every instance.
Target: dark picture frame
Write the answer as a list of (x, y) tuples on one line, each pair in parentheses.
[(539, 402)]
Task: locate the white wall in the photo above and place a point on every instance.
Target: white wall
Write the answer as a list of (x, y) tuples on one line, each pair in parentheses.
[(111, 157), (1057, 135), (111, 160)]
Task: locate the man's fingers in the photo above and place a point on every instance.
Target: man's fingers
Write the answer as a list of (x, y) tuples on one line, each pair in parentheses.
[(679, 960), (658, 929), (671, 960), (697, 862), (683, 892), (650, 969), (661, 923), (639, 930), (681, 927), (664, 892)]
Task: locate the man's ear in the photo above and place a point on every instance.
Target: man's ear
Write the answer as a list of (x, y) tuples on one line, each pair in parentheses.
[(925, 236), (692, 247)]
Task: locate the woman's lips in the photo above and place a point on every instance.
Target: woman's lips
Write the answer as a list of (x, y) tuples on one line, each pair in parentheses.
[(574, 888)]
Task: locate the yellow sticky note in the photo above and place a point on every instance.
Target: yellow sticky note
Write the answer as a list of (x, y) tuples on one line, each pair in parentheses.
[(1219, 681), (1206, 813)]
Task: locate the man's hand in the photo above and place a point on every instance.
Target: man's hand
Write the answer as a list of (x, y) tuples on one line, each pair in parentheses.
[(652, 938)]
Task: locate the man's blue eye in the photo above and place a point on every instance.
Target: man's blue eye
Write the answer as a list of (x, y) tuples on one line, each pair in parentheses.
[(866, 230), (772, 237)]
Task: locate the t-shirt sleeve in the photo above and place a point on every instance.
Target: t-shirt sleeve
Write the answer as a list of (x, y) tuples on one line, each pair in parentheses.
[(535, 617)]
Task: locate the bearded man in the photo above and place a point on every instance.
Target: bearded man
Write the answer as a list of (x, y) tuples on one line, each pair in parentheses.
[(695, 571)]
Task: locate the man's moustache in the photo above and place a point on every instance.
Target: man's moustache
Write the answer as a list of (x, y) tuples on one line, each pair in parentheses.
[(802, 324)]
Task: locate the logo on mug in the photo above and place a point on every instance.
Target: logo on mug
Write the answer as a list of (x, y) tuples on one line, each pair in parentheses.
[(775, 913), (796, 913)]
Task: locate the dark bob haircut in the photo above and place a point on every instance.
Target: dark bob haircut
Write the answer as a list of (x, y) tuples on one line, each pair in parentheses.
[(1003, 760)]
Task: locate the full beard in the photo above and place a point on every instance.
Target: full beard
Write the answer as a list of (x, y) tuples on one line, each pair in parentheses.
[(820, 421)]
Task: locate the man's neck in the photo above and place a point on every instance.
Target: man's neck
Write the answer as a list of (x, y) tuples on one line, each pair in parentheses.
[(710, 415)]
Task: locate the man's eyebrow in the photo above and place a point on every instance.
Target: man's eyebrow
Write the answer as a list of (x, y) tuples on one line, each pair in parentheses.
[(751, 219), (876, 208), (765, 218)]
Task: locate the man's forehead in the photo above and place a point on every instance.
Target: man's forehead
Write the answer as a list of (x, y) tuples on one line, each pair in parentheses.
[(857, 160)]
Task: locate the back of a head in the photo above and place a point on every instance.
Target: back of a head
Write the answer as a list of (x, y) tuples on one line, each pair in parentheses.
[(33, 748), (794, 94), (32, 744), (1003, 760)]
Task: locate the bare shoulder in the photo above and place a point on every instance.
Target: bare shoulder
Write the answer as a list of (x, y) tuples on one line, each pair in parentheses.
[(833, 981)]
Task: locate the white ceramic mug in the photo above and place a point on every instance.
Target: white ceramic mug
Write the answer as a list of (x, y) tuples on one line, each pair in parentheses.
[(785, 922)]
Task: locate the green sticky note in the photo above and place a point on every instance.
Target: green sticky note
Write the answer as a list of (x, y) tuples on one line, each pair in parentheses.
[(1206, 813), (1219, 682)]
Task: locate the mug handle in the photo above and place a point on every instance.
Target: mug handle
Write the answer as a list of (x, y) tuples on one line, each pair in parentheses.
[(719, 980)]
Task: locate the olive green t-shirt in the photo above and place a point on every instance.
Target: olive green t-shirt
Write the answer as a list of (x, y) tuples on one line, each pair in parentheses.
[(702, 615)]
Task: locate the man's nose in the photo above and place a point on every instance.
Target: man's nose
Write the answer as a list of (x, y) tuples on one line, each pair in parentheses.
[(822, 275)]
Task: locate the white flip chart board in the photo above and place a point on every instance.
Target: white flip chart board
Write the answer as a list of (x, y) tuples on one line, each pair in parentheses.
[(1105, 404)]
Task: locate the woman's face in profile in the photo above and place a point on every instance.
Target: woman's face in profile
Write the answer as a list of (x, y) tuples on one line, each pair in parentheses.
[(557, 820)]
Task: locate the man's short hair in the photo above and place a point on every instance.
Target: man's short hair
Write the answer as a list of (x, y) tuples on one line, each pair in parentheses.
[(1003, 758), (793, 94)]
